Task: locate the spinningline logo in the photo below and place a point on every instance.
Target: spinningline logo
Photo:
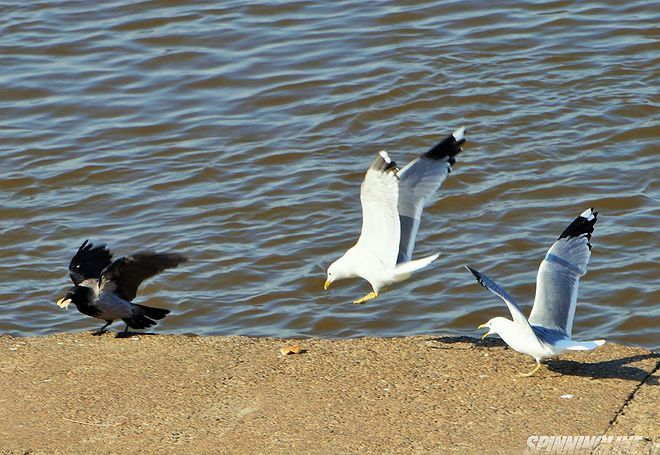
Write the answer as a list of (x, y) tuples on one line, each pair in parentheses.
[(582, 444)]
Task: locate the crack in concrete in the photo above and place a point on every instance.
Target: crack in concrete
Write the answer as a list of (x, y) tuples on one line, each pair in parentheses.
[(626, 402)]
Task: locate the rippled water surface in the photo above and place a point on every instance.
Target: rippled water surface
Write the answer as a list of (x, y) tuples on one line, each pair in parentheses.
[(238, 133)]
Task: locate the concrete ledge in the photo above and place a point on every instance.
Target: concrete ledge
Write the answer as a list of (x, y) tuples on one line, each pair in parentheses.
[(75, 393)]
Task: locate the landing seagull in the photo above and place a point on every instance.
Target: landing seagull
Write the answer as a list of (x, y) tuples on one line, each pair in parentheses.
[(104, 289), (547, 333), (392, 205)]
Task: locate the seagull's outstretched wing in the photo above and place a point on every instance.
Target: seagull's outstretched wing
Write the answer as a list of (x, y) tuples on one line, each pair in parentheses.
[(419, 180), (379, 194), (89, 262), (559, 274), (516, 313), (124, 276)]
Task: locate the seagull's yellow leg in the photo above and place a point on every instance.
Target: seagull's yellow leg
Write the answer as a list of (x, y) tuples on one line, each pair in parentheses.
[(366, 298), (526, 375)]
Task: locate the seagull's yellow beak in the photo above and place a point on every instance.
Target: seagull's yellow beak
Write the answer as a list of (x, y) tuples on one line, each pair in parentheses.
[(63, 303), (483, 326), (327, 284)]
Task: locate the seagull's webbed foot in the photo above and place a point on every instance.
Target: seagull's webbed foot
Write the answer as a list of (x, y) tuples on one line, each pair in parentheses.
[(102, 330), (536, 368), (366, 298)]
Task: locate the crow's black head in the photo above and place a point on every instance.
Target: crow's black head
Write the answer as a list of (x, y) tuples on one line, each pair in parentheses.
[(80, 296)]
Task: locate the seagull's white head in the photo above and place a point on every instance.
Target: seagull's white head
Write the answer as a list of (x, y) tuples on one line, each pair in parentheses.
[(495, 326), (338, 270)]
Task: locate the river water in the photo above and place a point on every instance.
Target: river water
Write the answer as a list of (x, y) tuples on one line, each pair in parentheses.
[(238, 133)]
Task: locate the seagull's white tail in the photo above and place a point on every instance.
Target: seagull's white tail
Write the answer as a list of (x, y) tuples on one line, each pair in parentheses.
[(405, 269), (583, 345)]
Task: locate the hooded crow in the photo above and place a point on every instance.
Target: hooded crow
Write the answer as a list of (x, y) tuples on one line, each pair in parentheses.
[(104, 288)]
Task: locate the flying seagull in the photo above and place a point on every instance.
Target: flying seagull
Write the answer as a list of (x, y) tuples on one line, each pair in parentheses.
[(547, 333), (392, 205), (104, 288)]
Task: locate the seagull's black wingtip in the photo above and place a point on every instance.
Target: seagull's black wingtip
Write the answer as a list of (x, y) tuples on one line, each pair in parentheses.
[(583, 225), (474, 272), (477, 274), (383, 163), (449, 147)]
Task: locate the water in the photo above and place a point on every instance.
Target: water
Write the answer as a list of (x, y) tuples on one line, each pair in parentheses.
[(238, 133)]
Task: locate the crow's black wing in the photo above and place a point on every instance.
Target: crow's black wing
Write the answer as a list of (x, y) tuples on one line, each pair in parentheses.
[(124, 276), (89, 262)]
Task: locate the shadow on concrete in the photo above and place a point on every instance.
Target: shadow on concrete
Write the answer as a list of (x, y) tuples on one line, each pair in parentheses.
[(130, 334), (615, 369), (489, 342)]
